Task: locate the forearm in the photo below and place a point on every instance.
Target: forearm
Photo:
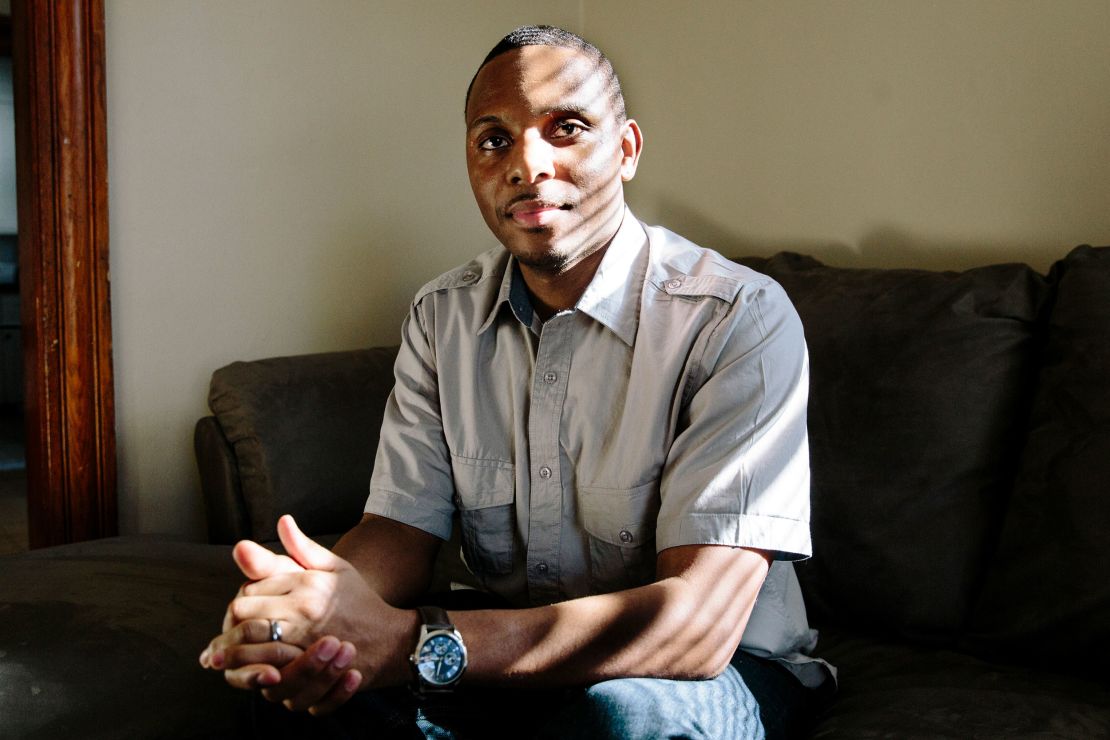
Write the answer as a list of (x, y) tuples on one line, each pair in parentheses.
[(686, 625), (395, 559)]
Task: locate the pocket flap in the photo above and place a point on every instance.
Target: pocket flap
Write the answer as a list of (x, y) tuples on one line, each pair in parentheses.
[(482, 483), (620, 516)]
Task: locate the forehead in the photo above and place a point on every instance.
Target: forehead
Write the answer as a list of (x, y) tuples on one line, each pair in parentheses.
[(541, 79)]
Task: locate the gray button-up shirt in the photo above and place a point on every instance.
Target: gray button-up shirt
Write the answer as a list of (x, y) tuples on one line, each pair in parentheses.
[(668, 407)]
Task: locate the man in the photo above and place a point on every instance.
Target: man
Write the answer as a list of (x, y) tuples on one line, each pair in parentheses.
[(616, 416)]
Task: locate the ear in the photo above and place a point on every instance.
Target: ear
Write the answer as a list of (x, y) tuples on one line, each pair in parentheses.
[(632, 143)]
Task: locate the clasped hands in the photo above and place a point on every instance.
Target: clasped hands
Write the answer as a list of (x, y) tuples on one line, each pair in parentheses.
[(338, 635)]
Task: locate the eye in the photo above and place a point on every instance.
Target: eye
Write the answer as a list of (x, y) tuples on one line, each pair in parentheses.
[(565, 129), (493, 142)]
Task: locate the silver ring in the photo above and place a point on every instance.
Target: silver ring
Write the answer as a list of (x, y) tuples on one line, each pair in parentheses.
[(275, 631)]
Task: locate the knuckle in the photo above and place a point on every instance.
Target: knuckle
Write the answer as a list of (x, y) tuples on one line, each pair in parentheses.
[(314, 609), (237, 609), (321, 581)]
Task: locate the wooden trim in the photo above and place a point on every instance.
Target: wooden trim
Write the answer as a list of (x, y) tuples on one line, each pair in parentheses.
[(62, 190)]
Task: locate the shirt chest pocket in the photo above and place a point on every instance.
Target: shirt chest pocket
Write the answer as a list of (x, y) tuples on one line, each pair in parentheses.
[(620, 524), (484, 498)]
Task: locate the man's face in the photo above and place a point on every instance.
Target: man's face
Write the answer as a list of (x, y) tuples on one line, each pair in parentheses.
[(547, 156)]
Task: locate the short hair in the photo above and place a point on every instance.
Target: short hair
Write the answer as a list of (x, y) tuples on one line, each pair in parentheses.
[(554, 36)]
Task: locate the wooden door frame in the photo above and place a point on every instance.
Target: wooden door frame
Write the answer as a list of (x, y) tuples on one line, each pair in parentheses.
[(62, 190)]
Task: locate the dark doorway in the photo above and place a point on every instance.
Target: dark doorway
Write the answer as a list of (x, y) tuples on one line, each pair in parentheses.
[(13, 477)]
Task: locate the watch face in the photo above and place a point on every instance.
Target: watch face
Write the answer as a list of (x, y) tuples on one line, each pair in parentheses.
[(440, 660)]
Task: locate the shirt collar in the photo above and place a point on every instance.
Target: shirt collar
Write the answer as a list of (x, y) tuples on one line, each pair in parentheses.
[(514, 293), (612, 296)]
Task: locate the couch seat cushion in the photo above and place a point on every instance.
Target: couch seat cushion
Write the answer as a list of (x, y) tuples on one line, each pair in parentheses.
[(892, 690), (100, 640)]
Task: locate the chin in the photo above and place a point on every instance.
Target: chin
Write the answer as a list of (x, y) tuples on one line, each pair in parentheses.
[(535, 248), (547, 262), (547, 258)]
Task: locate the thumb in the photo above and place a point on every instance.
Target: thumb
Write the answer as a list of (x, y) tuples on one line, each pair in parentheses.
[(304, 550), (257, 562)]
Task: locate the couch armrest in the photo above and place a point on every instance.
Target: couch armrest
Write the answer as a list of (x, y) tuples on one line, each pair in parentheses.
[(224, 507)]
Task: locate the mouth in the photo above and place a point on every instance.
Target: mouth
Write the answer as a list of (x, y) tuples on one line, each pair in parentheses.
[(533, 213)]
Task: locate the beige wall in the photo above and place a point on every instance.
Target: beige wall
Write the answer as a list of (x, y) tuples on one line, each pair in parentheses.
[(285, 174), (936, 134)]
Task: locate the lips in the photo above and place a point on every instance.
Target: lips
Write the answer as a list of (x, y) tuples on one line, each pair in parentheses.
[(531, 213)]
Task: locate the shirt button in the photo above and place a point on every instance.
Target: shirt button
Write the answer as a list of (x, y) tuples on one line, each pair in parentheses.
[(541, 568), (545, 472), (468, 276), (674, 283), (625, 536), (550, 377)]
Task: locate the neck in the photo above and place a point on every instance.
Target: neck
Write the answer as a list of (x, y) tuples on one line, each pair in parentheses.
[(555, 291)]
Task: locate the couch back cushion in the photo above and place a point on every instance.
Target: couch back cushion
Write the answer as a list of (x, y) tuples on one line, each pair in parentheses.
[(1047, 595), (919, 399), (304, 430)]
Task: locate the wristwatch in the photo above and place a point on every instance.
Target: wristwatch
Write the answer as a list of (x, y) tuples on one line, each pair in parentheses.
[(439, 659)]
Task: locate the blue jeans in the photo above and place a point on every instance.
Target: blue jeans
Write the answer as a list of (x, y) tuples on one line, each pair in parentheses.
[(753, 698)]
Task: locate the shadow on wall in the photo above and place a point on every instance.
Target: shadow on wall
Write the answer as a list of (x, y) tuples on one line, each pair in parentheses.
[(884, 246)]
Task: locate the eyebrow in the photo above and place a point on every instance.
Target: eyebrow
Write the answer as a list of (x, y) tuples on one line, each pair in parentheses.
[(577, 111), (481, 121), (559, 110)]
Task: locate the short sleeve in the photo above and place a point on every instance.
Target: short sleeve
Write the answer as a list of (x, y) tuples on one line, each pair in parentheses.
[(738, 471), (411, 481)]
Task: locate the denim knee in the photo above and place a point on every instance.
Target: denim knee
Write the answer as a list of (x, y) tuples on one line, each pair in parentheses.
[(624, 708), (653, 708)]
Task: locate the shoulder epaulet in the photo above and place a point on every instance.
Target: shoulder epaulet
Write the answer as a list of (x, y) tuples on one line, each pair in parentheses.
[(476, 271), (682, 268)]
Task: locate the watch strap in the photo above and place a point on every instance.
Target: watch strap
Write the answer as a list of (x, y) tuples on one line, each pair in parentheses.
[(434, 618)]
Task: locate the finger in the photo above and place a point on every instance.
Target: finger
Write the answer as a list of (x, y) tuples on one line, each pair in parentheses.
[(302, 549), (255, 631), (231, 615), (340, 694), (253, 676), (229, 622), (257, 562), (257, 666), (307, 680), (277, 585), (246, 608), (276, 654)]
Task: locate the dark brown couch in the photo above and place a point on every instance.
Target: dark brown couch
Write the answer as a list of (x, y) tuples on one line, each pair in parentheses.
[(960, 435)]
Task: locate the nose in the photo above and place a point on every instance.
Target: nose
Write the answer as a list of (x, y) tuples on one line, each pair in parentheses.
[(533, 160)]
